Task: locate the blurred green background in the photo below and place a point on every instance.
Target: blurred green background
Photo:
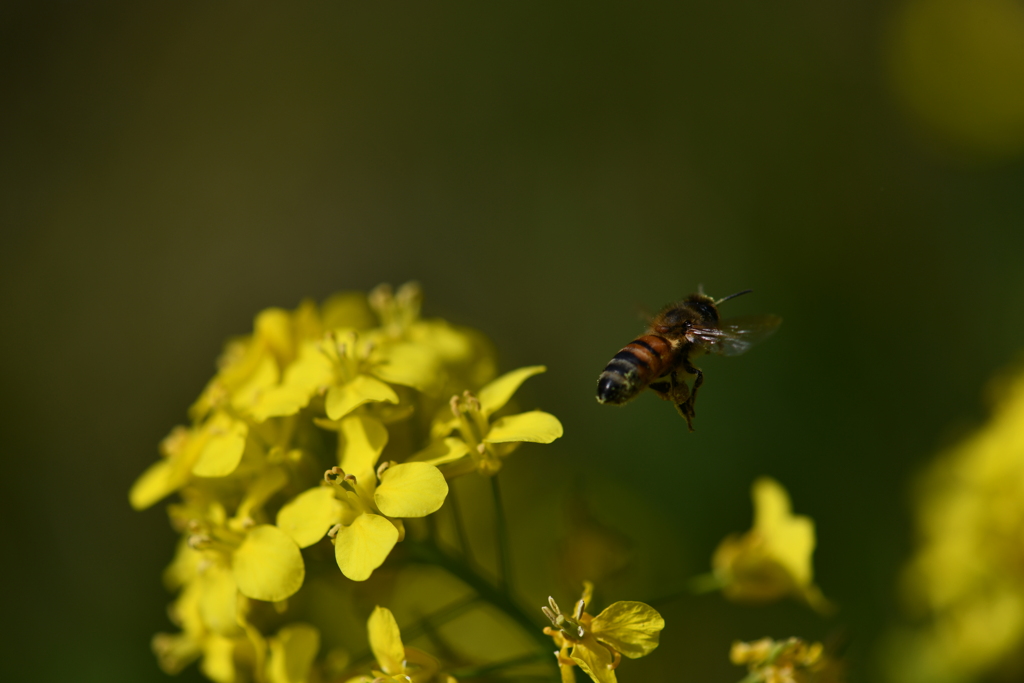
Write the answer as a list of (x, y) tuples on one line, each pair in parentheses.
[(169, 169)]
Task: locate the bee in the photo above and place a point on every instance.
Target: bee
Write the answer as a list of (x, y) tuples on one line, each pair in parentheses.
[(662, 358)]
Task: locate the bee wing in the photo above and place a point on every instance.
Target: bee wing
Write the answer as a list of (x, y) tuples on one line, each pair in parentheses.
[(736, 335)]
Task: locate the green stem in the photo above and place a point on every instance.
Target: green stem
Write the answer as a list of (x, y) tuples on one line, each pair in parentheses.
[(705, 583), (501, 529), (460, 527), (430, 554), (476, 672), (441, 616)]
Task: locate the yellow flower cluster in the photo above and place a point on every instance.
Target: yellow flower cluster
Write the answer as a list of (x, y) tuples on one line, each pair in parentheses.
[(786, 661), (965, 584), (329, 425)]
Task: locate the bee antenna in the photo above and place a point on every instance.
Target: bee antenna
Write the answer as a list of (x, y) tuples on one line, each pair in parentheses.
[(733, 296)]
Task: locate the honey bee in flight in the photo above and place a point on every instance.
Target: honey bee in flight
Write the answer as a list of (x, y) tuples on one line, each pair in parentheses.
[(662, 357)]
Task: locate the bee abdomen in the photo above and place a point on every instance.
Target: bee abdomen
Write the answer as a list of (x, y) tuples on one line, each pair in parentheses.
[(634, 367)]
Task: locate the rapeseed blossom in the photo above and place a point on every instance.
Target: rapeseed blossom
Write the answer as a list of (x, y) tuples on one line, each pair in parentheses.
[(596, 644), (301, 448), (479, 443), (786, 661), (773, 559), (395, 661), (964, 585)]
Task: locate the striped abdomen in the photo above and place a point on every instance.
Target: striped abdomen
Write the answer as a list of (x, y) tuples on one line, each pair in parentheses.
[(641, 362)]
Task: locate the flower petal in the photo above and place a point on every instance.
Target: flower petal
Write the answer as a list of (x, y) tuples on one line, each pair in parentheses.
[(497, 393), (292, 653), (279, 401), (274, 327), (343, 399), (219, 659), (630, 627), (386, 640), (360, 442), (535, 426), (789, 538), (268, 565), (309, 515), (363, 546), (224, 447), (348, 309), (448, 450), (311, 369), (264, 376), (411, 365), (218, 600), (595, 659), (157, 482), (412, 489)]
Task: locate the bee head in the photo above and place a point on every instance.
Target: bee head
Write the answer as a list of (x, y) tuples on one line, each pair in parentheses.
[(705, 312)]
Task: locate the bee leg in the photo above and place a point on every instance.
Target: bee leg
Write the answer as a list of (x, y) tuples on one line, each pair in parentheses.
[(686, 410), (662, 388), (690, 410), (679, 393)]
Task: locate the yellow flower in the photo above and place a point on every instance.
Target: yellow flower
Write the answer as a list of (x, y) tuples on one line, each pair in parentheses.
[(596, 644), (243, 555), (250, 366), (773, 559), (211, 449), (965, 582), (227, 648), (481, 444), (397, 663), (292, 653), (786, 661), (364, 518)]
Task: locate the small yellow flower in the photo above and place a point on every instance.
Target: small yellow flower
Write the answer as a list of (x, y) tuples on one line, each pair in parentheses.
[(292, 653), (773, 559), (397, 663), (786, 661), (364, 517), (226, 650), (596, 644), (214, 448), (481, 444), (246, 556), (251, 366)]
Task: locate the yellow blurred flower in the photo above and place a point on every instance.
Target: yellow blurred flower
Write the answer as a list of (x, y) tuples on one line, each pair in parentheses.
[(965, 583), (397, 663), (213, 448), (292, 652), (596, 644), (786, 661), (773, 559), (958, 67), (481, 444)]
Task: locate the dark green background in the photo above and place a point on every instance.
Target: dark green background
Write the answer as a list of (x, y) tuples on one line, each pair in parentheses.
[(168, 169)]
